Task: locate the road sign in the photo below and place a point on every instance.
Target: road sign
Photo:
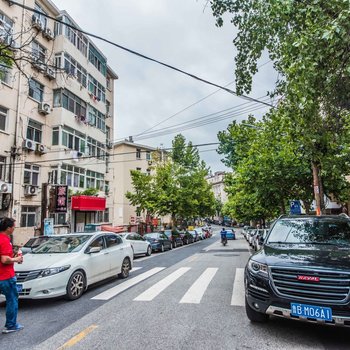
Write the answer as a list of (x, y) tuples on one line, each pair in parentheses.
[(295, 207)]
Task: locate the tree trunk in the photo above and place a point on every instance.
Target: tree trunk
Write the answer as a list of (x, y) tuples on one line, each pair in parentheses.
[(318, 189)]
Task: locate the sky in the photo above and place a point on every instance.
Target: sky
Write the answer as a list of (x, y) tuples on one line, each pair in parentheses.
[(150, 97)]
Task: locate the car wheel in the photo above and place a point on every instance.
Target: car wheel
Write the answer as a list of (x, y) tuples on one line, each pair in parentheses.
[(162, 248), (125, 268), (149, 251), (76, 285), (255, 316)]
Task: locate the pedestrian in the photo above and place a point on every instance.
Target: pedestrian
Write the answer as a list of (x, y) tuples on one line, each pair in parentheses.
[(7, 275)]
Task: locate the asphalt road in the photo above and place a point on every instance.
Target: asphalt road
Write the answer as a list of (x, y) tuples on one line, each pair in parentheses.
[(187, 298)]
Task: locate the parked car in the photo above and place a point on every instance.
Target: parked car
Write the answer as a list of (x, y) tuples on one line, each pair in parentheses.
[(259, 237), (250, 236), (195, 235), (174, 236), (302, 271), (66, 265), (230, 234), (139, 245), (32, 243), (159, 241), (202, 234), (187, 238)]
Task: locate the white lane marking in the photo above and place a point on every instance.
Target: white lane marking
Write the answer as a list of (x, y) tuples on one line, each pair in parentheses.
[(135, 268), (195, 293), (156, 289), (238, 295), (110, 293)]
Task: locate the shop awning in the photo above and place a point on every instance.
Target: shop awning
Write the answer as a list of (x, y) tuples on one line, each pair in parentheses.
[(88, 203), (115, 229)]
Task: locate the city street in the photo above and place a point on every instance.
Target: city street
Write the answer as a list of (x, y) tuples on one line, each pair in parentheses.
[(188, 298)]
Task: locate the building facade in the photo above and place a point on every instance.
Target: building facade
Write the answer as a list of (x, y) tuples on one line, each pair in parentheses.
[(216, 181), (56, 121)]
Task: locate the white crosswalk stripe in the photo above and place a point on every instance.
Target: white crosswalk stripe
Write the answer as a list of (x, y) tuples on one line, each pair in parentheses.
[(156, 289), (195, 293), (238, 295), (110, 293)]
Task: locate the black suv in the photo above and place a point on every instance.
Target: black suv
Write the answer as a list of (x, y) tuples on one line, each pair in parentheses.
[(302, 272)]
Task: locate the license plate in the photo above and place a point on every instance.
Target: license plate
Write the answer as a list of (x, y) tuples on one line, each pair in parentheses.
[(311, 311), (19, 287)]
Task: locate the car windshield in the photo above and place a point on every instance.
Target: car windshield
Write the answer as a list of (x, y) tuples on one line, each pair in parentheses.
[(151, 235), (311, 231), (61, 244), (34, 242)]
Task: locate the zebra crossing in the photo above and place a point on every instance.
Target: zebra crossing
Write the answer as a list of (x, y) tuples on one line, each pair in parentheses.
[(193, 295)]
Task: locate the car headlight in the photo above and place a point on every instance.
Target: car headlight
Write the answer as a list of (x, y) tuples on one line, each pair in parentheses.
[(53, 271), (257, 267)]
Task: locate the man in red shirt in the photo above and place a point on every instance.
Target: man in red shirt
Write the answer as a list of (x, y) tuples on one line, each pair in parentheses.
[(7, 275)]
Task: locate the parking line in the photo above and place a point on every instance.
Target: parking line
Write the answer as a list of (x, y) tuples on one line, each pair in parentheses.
[(195, 293), (238, 294), (110, 293), (77, 338), (156, 289)]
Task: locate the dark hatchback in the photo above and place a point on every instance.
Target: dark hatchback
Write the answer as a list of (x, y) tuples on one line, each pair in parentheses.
[(159, 241), (175, 237), (302, 271)]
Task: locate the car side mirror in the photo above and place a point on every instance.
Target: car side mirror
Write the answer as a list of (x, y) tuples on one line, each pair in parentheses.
[(92, 250)]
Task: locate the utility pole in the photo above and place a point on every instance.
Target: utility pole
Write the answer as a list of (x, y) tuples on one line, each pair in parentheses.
[(43, 206), (318, 193)]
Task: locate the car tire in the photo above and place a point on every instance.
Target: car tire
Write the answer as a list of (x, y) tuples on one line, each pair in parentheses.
[(76, 285), (126, 267), (149, 251), (255, 316)]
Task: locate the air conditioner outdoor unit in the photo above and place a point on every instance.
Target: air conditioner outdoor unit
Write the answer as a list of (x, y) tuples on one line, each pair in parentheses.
[(36, 22), (5, 187), (41, 149), (109, 144), (44, 108), (50, 73), (30, 190), (29, 145), (48, 34)]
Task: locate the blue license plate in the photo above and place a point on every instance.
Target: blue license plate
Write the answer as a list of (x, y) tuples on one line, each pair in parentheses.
[(311, 311), (19, 287)]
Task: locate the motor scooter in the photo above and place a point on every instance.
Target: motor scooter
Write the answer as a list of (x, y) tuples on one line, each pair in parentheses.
[(224, 241)]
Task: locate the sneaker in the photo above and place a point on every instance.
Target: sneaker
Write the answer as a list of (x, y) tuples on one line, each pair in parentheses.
[(17, 328)]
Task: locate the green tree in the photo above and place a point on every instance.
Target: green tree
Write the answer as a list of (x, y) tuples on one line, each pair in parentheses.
[(308, 42)]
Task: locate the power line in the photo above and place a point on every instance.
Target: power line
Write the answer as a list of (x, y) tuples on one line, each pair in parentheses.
[(141, 55)]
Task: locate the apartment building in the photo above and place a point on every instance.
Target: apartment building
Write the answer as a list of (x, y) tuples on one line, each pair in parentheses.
[(218, 186), (128, 156), (56, 122)]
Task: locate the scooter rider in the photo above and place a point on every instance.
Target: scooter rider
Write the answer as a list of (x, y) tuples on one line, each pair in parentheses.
[(223, 235)]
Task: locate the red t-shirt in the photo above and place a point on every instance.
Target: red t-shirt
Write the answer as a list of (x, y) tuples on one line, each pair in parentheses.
[(6, 271)]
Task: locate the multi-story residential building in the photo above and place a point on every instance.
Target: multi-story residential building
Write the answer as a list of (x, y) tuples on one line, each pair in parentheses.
[(128, 156), (56, 120), (218, 186)]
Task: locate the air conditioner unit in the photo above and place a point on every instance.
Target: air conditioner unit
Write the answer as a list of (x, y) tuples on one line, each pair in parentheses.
[(109, 144), (5, 187), (29, 145), (41, 149), (48, 34), (36, 22), (50, 73), (30, 190), (44, 108)]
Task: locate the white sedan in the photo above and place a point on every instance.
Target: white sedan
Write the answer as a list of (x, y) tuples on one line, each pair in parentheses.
[(65, 265), (139, 245)]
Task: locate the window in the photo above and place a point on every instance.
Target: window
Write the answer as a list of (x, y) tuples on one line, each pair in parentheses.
[(42, 18), (148, 155), (31, 175), (72, 176), (69, 64), (108, 83), (98, 242), (97, 59), (108, 108), (38, 52), (28, 216), (34, 131), (97, 89), (138, 153), (2, 168), (3, 117), (36, 90), (5, 74), (59, 218), (64, 98), (97, 119), (138, 169), (55, 136), (94, 180), (73, 139), (6, 25), (112, 240), (96, 148)]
